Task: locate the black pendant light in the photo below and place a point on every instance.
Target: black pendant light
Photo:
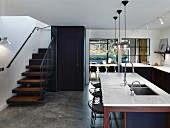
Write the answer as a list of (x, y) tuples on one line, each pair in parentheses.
[(125, 43), (115, 45), (119, 42)]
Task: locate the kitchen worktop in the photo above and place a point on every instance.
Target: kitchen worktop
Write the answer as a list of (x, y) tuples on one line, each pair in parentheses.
[(135, 65), (115, 94), (162, 68), (106, 65)]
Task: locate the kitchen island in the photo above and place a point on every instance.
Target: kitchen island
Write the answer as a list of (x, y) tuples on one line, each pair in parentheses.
[(117, 98), (165, 68), (158, 75)]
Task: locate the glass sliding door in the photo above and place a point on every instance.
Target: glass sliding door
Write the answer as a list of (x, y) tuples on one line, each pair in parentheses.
[(102, 51), (112, 53), (98, 50)]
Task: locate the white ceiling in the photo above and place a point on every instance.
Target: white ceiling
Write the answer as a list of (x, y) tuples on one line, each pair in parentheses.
[(91, 13)]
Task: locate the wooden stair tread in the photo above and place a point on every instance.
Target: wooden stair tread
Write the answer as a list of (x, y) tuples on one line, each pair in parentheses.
[(43, 48), (35, 73), (40, 59), (31, 80), (37, 66), (24, 99), (38, 53), (32, 89)]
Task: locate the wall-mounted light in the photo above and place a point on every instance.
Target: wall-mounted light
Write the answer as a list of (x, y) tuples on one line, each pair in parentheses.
[(161, 21), (4, 40)]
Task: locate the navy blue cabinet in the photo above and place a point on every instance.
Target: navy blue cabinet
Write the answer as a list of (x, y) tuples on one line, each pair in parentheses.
[(146, 120)]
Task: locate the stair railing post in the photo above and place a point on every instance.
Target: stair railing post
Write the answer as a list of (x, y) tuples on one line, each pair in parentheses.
[(45, 77)]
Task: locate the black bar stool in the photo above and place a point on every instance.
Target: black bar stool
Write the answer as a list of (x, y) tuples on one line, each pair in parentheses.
[(96, 85), (93, 69), (97, 111), (102, 69), (97, 95), (111, 69)]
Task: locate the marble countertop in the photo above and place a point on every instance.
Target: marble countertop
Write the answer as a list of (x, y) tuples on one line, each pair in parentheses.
[(162, 68), (115, 94), (135, 65), (106, 65)]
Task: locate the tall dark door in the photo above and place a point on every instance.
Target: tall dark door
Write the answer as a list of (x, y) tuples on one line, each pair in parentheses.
[(68, 66), (70, 58)]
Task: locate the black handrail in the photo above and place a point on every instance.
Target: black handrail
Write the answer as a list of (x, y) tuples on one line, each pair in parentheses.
[(9, 65)]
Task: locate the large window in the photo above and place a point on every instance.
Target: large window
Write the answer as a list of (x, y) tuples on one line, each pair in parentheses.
[(139, 50), (102, 51)]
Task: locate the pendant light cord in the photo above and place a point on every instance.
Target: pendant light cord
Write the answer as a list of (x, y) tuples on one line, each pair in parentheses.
[(125, 21), (115, 26), (119, 11), (125, 2), (115, 29), (115, 18), (119, 29)]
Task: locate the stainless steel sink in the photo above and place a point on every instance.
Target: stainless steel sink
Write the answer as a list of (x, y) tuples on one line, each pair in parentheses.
[(137, 85), (143, 91)]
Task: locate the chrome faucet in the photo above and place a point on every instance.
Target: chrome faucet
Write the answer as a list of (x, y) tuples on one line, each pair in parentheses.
[(131, 88), (125, 81)]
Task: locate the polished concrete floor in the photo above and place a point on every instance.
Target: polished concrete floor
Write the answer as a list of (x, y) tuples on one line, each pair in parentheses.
[(59, 110)]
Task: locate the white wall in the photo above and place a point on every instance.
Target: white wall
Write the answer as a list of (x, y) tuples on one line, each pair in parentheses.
[(154, 36), (87, 57), (166, 34), (17, 30)]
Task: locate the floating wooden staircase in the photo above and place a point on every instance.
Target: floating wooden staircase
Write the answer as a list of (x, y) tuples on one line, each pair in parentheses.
[(27, 90), (34, 73), (24, 99), (36, 66), (35, 81)]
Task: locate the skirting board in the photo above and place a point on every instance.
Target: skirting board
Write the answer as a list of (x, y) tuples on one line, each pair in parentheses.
[(2, 107)]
